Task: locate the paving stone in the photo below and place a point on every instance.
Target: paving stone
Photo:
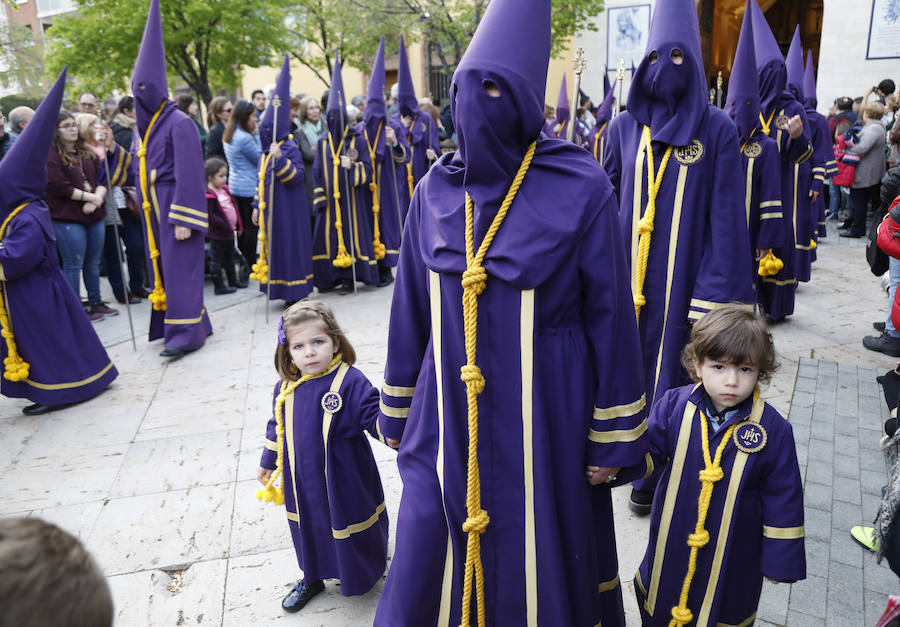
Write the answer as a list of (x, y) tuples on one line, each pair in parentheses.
[(817, 522), (845, 585), (817, 554), (847, 490), (872, 462), (804, 384), (802, 399), (872, 480), (822, 415), (817, 496), (845, 515), (800, 415), (846, 465), (841, 615), (773, 603), (845, 425), (820, 449), (802, 454), (878, 577), (810, 596), (801, 432), (844, 549), (876, 602), (799, 619)]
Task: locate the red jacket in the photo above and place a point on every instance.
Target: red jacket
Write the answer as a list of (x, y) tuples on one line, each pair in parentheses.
[(889, 242)]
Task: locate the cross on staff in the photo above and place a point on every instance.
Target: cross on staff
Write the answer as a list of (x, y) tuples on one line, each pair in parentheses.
[(620, 76), (579, 64)]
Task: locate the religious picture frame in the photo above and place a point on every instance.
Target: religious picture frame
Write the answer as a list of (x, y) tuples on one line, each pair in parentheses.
[(884, 30), (626, 34)]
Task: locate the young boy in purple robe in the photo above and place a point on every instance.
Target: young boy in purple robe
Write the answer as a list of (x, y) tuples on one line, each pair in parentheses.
[(784, 120), (170, 181), (51, 353), (389, 153), (343, 242), (419, 128), (729, 504), (285, 268), (560, 126), (759, 157), (549, 392), (823, 144), (315, 441), (674, 159)]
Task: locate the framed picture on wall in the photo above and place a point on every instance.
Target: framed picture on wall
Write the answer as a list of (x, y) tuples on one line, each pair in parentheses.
[(884, 30), (627, 29)]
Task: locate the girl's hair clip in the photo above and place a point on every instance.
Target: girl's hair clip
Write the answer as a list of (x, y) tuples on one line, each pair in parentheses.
[(281, 338)]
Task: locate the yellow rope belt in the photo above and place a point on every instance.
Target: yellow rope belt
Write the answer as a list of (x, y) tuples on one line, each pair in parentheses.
[(261, 267), (597, 140), (767, 123), (271, 494), (711, 473), (474, 280), (409, 166), (342, 259), (15, 368), (645, 225), (380, 249), (158, 296)]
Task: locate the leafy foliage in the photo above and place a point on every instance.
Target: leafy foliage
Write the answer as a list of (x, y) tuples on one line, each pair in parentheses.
[(22, 54), (207, 41)]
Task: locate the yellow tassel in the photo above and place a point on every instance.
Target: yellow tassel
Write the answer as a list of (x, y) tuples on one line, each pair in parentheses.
[(474, 280), (812, 244), (379, 248), (342, 259), (158, 296), (15, 367)]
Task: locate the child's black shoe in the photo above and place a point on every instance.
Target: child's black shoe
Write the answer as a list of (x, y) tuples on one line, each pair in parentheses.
[(301, 594)]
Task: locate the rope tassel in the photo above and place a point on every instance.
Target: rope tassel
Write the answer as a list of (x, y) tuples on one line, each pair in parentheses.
[(158, 295), (342, 259), (474, 280), (377, 245), (14, 367)]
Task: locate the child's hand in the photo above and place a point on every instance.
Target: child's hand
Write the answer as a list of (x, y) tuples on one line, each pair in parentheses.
[(254, 217), (601, 474), (345, 162), (390, 137), (182, 233), (772, 581), (431, 154), (275, 150), (263, 474), (392, 442)]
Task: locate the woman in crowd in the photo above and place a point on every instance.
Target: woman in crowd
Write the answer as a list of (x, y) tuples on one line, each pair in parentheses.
[(216, 118), (76, 207), (122, 124), (242, 148), (870, 147), (311, 128), (187, 106)]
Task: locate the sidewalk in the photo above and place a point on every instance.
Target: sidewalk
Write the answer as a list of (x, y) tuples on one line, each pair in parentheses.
[(157, 475)]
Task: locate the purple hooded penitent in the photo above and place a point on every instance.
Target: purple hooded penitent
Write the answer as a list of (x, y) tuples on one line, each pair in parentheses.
[(824, 165), (794, 64), (406, 93), (388, 165), (667, 96), (289, 239), (597, 137), (557, 301), (353, 205), (606, 86), (742, 104), (810, 99), (67, 362), (769, 63), (176, 189)]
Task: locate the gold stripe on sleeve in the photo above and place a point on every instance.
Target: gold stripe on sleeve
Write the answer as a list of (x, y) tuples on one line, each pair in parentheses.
[(783, 533), (620, 411)]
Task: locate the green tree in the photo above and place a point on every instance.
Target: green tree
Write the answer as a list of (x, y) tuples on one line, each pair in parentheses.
[(207, 41), (21, 57)]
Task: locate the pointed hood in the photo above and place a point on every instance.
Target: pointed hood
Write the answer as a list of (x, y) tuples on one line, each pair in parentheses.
[(23, 171), (149, 83), (336, 112), (604, 111), (562, 102), (406, 93), (794, 63), (742, 103), (770, 66), (375, 111), (671, 97), (283, 92), (809, 83), (510, 50), (606, 86)]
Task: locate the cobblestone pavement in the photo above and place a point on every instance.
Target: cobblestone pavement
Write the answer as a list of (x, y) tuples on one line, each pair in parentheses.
[(156, 475)]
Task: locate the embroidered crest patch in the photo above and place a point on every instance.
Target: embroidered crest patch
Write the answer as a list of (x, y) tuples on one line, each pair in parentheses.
[(749, 437), (332, 402), (690, 154), (782, 122), (753, 149)]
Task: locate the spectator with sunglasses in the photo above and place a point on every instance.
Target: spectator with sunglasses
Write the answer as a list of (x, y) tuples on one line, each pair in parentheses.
[(216, 118)]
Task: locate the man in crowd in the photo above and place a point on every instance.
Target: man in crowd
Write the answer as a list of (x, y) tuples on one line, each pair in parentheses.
[(258, 98)]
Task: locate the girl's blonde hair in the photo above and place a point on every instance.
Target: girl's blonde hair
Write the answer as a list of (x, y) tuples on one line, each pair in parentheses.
[(84, 122), (304, 311), (874, 110), (734, 335)]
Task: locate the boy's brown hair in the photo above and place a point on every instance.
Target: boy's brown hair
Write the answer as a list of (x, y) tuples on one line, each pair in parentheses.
[(47, 577), (304, 311), (731, 334)]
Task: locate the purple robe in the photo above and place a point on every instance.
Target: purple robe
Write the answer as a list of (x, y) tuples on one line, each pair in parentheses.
[(389, 172), (596, 141), (290, 240), (356, 214), (760, 160), (755, 519), (421, 136), (777, 292), (700, 222), (557, 345), (52, 333), (824, 167), (332, 490)]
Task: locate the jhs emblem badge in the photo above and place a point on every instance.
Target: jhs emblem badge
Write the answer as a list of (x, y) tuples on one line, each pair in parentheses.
[(749, 437), (753, 149), (782, 122), (690, 154), (332, 402)]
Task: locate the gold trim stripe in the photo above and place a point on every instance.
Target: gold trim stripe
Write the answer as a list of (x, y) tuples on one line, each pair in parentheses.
[(346, 532), (393, 412), (285, 179), (619, 435), (648, 460), (748, 184), (270, 445), (606, 586), (293, 516), (744, 623), (783, 533), (771, 214), (327, 416), (286, 167), (68, 386), (526, 331), (186, 320), (181, 218), (779, 282), (398, 391), (770, 203), (284, 282), (620, 411), (188, 210)]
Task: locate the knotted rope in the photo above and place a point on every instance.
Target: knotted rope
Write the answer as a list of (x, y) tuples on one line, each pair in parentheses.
[(342, 259), (380, 249), (271, 494), (645, 224), (14, 367), (158, 295), (261, 267), (474, 281)]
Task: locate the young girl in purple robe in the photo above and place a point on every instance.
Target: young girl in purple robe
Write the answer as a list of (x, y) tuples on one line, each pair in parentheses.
[(728, 508), (331, 488)]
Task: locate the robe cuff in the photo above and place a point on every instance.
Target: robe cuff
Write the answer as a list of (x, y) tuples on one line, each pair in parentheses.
[(191, 218), (806, 156), (783, 553), (700, 308), (617, 434), (831, 168), (394, 408), (268, 458), (770, 209)]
